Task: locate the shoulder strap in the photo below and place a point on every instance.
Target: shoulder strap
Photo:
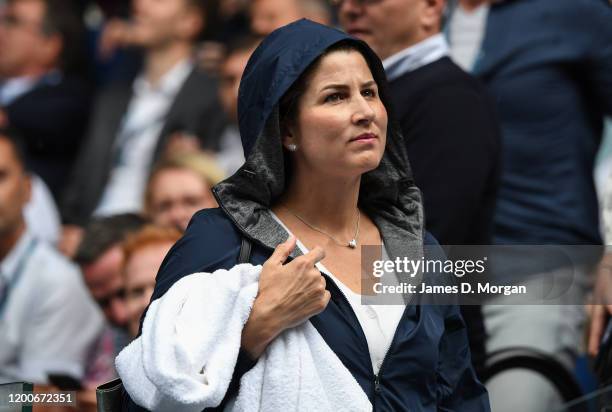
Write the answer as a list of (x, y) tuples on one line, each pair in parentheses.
[(245, 251)]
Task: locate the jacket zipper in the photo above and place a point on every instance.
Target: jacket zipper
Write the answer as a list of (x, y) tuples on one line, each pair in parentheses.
[(329, 280), (376, 376), (384, 361)]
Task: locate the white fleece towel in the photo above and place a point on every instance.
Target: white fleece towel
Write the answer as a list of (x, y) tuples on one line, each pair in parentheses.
[(184, 359)]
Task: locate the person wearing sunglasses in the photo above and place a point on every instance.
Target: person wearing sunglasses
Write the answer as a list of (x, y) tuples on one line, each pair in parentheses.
[(100, 256), (144, 252)]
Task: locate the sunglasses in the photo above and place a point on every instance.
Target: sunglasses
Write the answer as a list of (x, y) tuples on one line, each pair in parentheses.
[(105, 302), (139, 291)]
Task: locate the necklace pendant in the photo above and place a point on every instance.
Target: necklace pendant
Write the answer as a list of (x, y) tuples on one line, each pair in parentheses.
[(352, 244)]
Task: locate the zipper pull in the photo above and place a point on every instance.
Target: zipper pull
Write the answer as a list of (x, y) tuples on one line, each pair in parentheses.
[(377, 384)]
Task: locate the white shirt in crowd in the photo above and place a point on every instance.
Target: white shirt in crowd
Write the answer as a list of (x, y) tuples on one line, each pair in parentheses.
[(378, 322), (41, 214), (466, 31), (48, 320), (428, 51), (137, 139), (13, 88), (16, 87)]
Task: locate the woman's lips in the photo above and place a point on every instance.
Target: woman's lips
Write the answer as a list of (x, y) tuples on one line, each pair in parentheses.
[(366, 137)]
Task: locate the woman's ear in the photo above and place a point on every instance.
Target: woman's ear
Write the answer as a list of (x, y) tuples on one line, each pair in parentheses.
[(285, 130), (288, 139), (289, 142), (287, 136)]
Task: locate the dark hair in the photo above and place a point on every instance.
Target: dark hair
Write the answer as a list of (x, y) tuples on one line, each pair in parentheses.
[(16, 141), (103, 233), (289, 103), (62, 17)]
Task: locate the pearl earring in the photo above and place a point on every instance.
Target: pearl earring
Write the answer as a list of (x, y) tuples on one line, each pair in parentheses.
[(292, 147)]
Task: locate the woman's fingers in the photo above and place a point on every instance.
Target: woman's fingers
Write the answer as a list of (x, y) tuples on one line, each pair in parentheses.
[(293, 292), (315, 255), (598, 314), (601, 309), (312, 307), (282, 251), (305, 263)]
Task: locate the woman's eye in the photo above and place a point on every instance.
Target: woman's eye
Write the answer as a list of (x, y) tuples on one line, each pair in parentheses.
[(368, 93), (335, 97)]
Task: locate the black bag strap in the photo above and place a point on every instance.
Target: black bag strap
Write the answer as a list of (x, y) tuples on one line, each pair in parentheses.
[(245, 251), (109, 397)]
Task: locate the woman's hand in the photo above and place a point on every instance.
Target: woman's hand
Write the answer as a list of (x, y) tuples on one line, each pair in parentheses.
[(601, 309), (288, 295)]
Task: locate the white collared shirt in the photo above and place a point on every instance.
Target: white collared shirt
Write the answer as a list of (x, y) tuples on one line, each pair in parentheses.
[(48, 321), (416, 56), (137, 139), (13, 88), (41, 214)]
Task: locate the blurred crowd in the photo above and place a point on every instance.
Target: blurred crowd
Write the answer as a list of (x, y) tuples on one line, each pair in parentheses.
[(117, 118)]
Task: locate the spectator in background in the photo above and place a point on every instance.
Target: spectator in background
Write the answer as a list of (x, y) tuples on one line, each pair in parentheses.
[(48, 321), (41, 213), (171, 103), (144, 252), (100, 256), (43, 93), (269, 15), (226, 20), (549, 67), (451, 131), (179, 187), (230, 155)]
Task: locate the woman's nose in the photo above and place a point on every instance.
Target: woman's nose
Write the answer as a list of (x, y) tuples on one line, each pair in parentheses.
[(363, 112)]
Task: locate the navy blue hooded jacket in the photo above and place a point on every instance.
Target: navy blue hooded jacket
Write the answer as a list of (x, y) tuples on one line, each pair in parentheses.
[(427, 367)]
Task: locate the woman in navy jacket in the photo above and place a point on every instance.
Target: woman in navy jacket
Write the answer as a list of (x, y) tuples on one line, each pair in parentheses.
[(325, 160)]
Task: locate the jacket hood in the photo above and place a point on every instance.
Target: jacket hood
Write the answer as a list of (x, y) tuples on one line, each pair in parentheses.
[(388, 194)]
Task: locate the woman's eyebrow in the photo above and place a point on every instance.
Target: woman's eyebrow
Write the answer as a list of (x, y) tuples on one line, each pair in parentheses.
[(336, 86)]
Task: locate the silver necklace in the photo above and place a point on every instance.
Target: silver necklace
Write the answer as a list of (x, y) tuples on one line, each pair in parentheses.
[(352, 243)]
